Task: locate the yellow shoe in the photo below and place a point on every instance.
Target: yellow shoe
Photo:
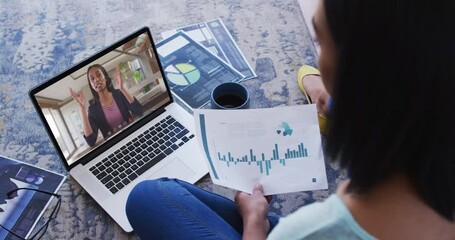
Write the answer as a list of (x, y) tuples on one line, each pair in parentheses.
[(309, 70)]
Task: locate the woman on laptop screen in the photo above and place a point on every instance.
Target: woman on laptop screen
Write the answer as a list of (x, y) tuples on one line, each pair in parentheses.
[(110, 109)]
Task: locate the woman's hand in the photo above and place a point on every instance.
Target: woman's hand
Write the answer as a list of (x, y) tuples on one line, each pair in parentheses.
[(119, 83), (118, 79), (78, 98), (254, 209)]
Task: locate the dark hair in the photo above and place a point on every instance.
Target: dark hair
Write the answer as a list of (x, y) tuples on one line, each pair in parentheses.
[(109, 85), (393, 110)]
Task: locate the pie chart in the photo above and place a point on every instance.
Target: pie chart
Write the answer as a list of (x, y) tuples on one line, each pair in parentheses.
[(182, 74)]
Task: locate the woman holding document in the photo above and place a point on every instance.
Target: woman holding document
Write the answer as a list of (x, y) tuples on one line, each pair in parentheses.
[(391, 127)]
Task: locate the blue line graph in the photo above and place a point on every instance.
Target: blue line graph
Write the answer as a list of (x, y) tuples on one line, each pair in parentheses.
[(264, 164)]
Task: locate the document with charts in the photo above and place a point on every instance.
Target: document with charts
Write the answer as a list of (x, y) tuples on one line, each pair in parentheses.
[(216, 38), (192, 71), (21, 211), (279, 148)]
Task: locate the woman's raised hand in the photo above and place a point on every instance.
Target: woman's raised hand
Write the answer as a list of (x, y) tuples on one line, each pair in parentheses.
[(118, 79), (78, 98)]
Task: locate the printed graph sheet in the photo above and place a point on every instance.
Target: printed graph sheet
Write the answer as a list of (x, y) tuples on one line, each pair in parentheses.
[(279, 148)]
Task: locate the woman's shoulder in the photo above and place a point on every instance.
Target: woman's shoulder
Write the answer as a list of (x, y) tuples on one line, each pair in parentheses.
[(94, 107), (118, 95), (116, 92), (329, 219)]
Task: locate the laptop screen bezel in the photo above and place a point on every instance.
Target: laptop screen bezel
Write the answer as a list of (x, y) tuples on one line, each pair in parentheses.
[(115, 139)]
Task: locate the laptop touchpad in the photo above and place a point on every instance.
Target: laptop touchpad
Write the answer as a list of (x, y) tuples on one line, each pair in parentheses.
[(174, 169)]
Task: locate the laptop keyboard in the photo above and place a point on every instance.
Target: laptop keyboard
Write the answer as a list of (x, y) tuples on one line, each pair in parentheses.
[(140, 154)]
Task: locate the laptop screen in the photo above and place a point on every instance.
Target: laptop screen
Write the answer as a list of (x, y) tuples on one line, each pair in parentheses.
[(96, 103)]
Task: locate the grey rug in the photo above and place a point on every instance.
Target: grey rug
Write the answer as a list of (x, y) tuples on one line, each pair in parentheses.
[(42, 38)]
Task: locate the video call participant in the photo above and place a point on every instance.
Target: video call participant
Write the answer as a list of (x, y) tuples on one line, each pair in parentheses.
[(110, 109)]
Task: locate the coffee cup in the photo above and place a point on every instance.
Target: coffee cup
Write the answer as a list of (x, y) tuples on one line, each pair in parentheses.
[(230, 95)]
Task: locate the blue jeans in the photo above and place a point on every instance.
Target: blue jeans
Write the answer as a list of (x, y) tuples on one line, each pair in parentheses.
[(174, 209)]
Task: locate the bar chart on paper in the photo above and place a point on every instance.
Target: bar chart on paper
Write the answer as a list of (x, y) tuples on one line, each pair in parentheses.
[(264, 163), (247, 147)]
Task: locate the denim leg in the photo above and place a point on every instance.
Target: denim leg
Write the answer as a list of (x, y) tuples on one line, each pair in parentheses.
[(224, 207), (165, 209), (174, 209)]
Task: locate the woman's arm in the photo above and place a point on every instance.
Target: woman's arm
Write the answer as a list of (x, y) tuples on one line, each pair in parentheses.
[(80, 100), (87, 127), (121, 87), (127, 95), (92, 124), (254, 209), (133, 104)]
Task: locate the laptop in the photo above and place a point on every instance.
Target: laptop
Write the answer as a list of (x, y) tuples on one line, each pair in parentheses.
[(109, 137)]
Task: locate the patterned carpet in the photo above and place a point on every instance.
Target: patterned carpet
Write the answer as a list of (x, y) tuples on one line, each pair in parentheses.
[(42, 38)]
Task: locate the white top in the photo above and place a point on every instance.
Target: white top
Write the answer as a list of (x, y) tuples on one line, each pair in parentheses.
[(323, 220)]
